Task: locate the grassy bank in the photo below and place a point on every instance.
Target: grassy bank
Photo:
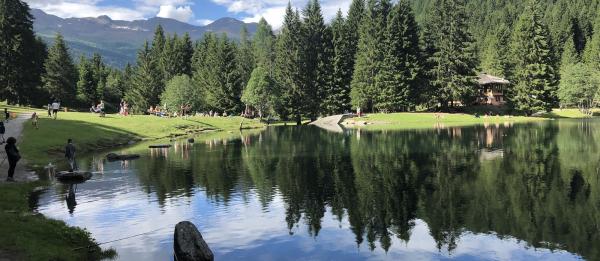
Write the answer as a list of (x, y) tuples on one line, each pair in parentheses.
[(30, 236), (428, 120), (91, 132)]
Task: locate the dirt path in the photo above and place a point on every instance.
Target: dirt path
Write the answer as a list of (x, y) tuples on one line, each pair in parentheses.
[(14, 128)]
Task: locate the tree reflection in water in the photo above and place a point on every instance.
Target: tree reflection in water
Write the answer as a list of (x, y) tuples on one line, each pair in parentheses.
[(534, 182)]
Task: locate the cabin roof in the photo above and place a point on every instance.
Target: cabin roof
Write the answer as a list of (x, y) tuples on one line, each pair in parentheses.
[(485, 79)]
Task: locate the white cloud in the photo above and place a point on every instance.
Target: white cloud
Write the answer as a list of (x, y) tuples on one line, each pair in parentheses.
[(274, 10), (84, 8), (180, 13), (204, 21)]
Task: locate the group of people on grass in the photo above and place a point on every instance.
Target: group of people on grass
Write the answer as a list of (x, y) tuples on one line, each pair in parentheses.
[(53, 109), (123, 108)]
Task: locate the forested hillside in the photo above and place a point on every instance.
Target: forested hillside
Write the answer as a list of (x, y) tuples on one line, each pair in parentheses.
[(492, 22), (380, 56)]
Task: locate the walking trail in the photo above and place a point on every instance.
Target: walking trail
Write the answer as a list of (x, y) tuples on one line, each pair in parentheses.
[(14, 128)]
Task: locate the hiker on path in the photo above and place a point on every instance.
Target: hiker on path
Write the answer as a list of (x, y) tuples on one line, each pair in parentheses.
[(6, 114), (13, 156), (55, 107), (2, 131), (70, 155)]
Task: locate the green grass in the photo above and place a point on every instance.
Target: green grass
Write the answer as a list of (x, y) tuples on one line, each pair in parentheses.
[(30, 236), (429, 120), (567, 113), (91, 132)]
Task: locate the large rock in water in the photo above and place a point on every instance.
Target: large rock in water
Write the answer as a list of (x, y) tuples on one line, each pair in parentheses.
[(189, 244)]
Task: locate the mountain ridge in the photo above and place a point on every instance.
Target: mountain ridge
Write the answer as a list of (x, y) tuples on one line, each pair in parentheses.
[(118, 40)]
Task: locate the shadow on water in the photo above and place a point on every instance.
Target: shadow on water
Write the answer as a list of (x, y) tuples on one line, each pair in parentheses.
[(534, 182)]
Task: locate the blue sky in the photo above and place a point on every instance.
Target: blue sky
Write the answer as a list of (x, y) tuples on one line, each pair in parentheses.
[(198, 12)]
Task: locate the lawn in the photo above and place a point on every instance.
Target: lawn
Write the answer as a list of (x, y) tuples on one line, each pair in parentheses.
[(30, 236), (429, 120), (91, 132)]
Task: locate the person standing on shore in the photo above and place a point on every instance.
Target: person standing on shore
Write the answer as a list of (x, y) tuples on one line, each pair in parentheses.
[(70, 155), (13, 156)]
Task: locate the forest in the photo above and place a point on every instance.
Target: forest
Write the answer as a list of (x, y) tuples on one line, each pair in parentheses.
[(381, 56)]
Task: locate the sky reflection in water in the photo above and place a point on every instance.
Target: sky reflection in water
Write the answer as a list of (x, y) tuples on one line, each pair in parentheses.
[(250, 211)]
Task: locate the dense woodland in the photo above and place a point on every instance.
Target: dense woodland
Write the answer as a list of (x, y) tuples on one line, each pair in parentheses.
[(380, 56)]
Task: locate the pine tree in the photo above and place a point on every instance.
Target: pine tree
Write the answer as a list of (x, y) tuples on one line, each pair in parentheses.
[(264, 46), (338, 98), (215, 70), (317, 61), (171, 59), (86, 85), (157, 50), (453, 63), (495, 58), (21, 54), (288, 72), (186, 48), (60, 78), (397, 82), (535, 67), (146, 84), (370, 54), (591, 55), (244, 57)]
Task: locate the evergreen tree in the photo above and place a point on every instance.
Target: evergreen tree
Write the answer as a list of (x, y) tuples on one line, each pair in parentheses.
[(338, 99), (317, 61), (171, 59), (115, 86), (216, 72), (495, 58), (21, 54), (186, 48), (60, 78), (370, 54), (86, 85), (535, 66), (157, 49), (397, 82), (453, 62), (264, 46), (146, 84), (570, 56), (244, 57), (289, 72), (591, 54)]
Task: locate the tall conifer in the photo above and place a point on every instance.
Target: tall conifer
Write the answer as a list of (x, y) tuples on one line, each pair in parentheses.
[(535, 76), (60, 78)]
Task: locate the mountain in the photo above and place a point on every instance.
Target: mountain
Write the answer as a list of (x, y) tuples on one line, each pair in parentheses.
[(118, 41)]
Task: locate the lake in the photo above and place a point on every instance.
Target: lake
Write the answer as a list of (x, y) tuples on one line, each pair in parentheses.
[(493, 192)]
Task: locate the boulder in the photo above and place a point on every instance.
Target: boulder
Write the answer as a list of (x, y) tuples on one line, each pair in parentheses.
[(189, 244)]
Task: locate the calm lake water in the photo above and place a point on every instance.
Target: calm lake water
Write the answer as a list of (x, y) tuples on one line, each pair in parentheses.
[(495, 192)]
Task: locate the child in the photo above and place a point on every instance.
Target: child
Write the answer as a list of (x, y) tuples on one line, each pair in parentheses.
[(2, 131), (34, 120), (6, 114)]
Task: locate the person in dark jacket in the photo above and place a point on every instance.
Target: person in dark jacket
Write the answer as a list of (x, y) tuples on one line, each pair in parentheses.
[(2, 131), (70, 155), (6, 114), (13, 156)]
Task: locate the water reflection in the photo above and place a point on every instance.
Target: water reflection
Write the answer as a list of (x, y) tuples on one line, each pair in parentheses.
[(498, 191)]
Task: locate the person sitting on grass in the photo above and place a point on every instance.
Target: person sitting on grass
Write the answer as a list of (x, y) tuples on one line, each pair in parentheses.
[(13, 156), (34, 120), (93, 109)]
